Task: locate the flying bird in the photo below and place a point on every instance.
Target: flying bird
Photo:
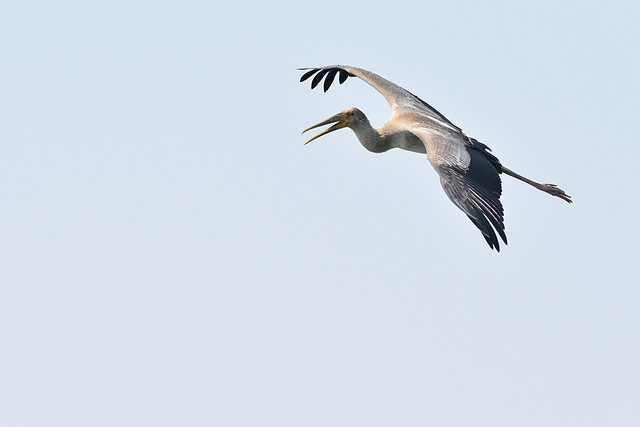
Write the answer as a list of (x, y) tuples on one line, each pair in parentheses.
[(469, 173)]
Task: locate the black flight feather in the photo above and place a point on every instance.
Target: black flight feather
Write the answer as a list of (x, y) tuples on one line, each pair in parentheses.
[(330, 76), (318, 78), (308, 74)]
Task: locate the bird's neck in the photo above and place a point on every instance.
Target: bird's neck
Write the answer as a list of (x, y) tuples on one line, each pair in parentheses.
[(369, 137)]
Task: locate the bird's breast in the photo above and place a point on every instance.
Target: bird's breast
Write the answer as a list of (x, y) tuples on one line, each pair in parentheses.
[(407, 141)]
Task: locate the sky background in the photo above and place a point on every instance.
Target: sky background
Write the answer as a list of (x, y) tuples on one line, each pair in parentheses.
[(171, 254)]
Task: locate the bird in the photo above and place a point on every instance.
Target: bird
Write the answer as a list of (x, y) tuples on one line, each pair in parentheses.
[(469, 173)]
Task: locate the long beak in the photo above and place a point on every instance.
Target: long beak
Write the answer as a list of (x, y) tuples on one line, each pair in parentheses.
[(340, 118)]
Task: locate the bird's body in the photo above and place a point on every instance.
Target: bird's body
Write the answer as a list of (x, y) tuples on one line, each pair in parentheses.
[(468, 172)]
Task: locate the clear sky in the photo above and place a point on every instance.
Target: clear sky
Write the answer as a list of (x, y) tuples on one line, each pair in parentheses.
[(171, 254)]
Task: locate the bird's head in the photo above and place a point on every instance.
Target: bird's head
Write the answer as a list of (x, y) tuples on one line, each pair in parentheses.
[(342, 120)]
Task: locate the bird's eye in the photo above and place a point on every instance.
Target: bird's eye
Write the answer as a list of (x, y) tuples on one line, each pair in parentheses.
[(352, 113)]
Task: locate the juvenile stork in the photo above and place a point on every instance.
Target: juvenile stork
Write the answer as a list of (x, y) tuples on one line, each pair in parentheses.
[(469, 173)]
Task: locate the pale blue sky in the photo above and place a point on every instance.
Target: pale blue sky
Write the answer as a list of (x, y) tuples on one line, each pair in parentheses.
[(171, 254)]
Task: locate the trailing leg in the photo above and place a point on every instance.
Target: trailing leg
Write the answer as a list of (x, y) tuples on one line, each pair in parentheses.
[(547, 188)]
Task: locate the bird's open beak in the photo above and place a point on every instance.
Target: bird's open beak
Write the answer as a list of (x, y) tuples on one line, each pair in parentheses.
[(340, 118)]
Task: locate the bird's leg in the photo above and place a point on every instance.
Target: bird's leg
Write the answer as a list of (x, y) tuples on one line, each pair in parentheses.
[(547, 188)]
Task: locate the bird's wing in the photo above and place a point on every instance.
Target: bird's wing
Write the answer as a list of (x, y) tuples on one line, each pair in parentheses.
[(396, 96), (469, 175)]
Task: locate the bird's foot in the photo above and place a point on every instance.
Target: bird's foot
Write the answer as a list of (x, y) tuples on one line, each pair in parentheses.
[(555, 191)]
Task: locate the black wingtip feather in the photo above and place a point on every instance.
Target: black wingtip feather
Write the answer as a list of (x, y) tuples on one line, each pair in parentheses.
[(329, 80), (487, 231), (308, 74), (343, 76), (330, 73), (318, 78)]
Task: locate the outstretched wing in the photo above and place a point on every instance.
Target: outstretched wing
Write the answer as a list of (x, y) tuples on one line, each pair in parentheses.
[(396, 96), (470, 176)]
